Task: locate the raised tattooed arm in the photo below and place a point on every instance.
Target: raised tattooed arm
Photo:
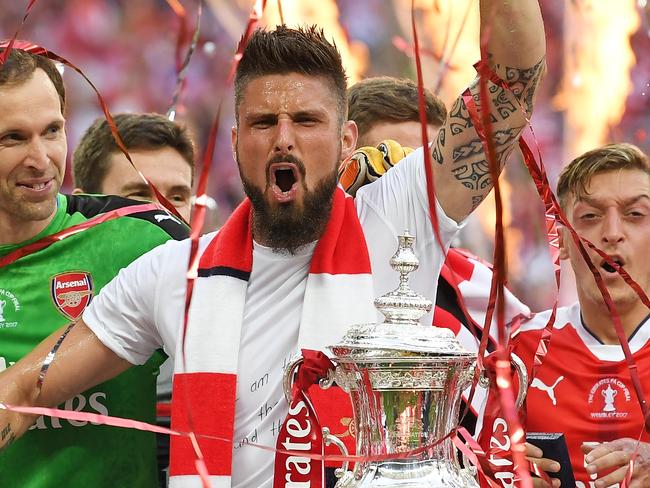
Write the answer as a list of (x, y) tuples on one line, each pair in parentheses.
[(80, 363), (516, 51)]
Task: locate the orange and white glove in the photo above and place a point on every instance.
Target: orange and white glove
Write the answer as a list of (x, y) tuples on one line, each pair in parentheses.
[(369, 163)]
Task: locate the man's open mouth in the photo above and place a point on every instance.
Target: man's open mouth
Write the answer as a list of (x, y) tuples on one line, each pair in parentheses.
[(618, 262), (284, 178)]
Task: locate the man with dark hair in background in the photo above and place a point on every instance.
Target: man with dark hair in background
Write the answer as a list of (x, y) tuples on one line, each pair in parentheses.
[(164, 153), (388, 108), (161, 149), (54, 259), (298, 262)]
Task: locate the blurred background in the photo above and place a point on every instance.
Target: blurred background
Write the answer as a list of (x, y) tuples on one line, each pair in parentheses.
[(597, 88)]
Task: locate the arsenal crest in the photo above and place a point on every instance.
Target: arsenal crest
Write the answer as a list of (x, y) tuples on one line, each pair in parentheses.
[(72, 292)]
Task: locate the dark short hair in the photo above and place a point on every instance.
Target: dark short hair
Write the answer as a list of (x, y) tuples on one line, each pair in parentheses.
[(91, 158), (575, 177), (285, 50), (388, 99), (20, 67)]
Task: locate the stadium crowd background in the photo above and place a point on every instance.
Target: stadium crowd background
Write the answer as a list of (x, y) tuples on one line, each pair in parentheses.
[(597, 88)]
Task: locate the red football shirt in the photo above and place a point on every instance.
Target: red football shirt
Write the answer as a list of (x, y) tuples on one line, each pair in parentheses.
[(583, 388)]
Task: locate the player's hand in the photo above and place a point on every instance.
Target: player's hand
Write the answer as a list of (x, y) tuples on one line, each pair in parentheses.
[(617, 455), (535, 455), (369, 163)]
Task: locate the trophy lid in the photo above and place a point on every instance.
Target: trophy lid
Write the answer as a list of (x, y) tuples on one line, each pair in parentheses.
[(401, 330)]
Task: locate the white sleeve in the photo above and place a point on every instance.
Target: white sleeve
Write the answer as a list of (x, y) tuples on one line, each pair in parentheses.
[(399, 199), (123, 314)]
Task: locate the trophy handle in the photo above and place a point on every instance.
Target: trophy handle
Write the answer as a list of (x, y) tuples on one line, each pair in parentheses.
[(328, 439), (290, 371), (287, 379), (522, 372)]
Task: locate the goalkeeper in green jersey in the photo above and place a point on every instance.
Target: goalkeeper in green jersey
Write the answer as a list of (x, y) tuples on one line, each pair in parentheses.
[(47, 278)]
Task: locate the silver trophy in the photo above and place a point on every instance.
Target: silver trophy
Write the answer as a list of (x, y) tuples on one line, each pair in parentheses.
[(405, 381)]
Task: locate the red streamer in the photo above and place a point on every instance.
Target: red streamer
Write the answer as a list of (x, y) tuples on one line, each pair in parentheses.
[(125, 423), (428, 164), (183, 31), (75, 229), (554, 214), (483, 126), (10, 44), (409, 49), (253, 20), (198, 220), (484, 130), (182, 63)]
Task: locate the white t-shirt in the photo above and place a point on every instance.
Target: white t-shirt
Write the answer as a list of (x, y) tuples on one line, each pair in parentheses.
[(269, 337), (142, 309)]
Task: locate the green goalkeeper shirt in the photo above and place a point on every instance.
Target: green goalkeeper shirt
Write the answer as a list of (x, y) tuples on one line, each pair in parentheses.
[(43, 291)]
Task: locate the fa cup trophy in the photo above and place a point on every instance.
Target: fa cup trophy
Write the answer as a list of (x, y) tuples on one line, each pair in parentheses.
[(405, 381)]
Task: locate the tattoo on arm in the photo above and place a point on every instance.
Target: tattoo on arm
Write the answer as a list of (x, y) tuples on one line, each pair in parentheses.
[(475, 174), (476, 201), (474, 148), (437, 148), (466, 160), (523, 83), (459, 119), (8, 435), (502, 102)]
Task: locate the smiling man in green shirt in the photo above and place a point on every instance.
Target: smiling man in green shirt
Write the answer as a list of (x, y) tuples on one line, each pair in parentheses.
[(47, 282)]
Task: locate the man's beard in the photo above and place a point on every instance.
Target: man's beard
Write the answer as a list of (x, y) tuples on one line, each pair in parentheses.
[(287, 226)]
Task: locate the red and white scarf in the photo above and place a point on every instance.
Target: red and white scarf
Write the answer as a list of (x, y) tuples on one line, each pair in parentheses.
[(470, 279), (339, 293)]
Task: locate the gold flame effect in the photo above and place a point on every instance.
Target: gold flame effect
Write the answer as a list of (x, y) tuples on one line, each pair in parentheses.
[(598, 60), (325, 13), (449, 28)]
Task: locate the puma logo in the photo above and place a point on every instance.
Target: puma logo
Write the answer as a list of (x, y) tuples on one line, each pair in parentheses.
[(550, 390), (161, 217)]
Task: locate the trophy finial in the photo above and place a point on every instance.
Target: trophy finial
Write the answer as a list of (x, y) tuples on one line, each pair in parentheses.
[(403, 305)]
